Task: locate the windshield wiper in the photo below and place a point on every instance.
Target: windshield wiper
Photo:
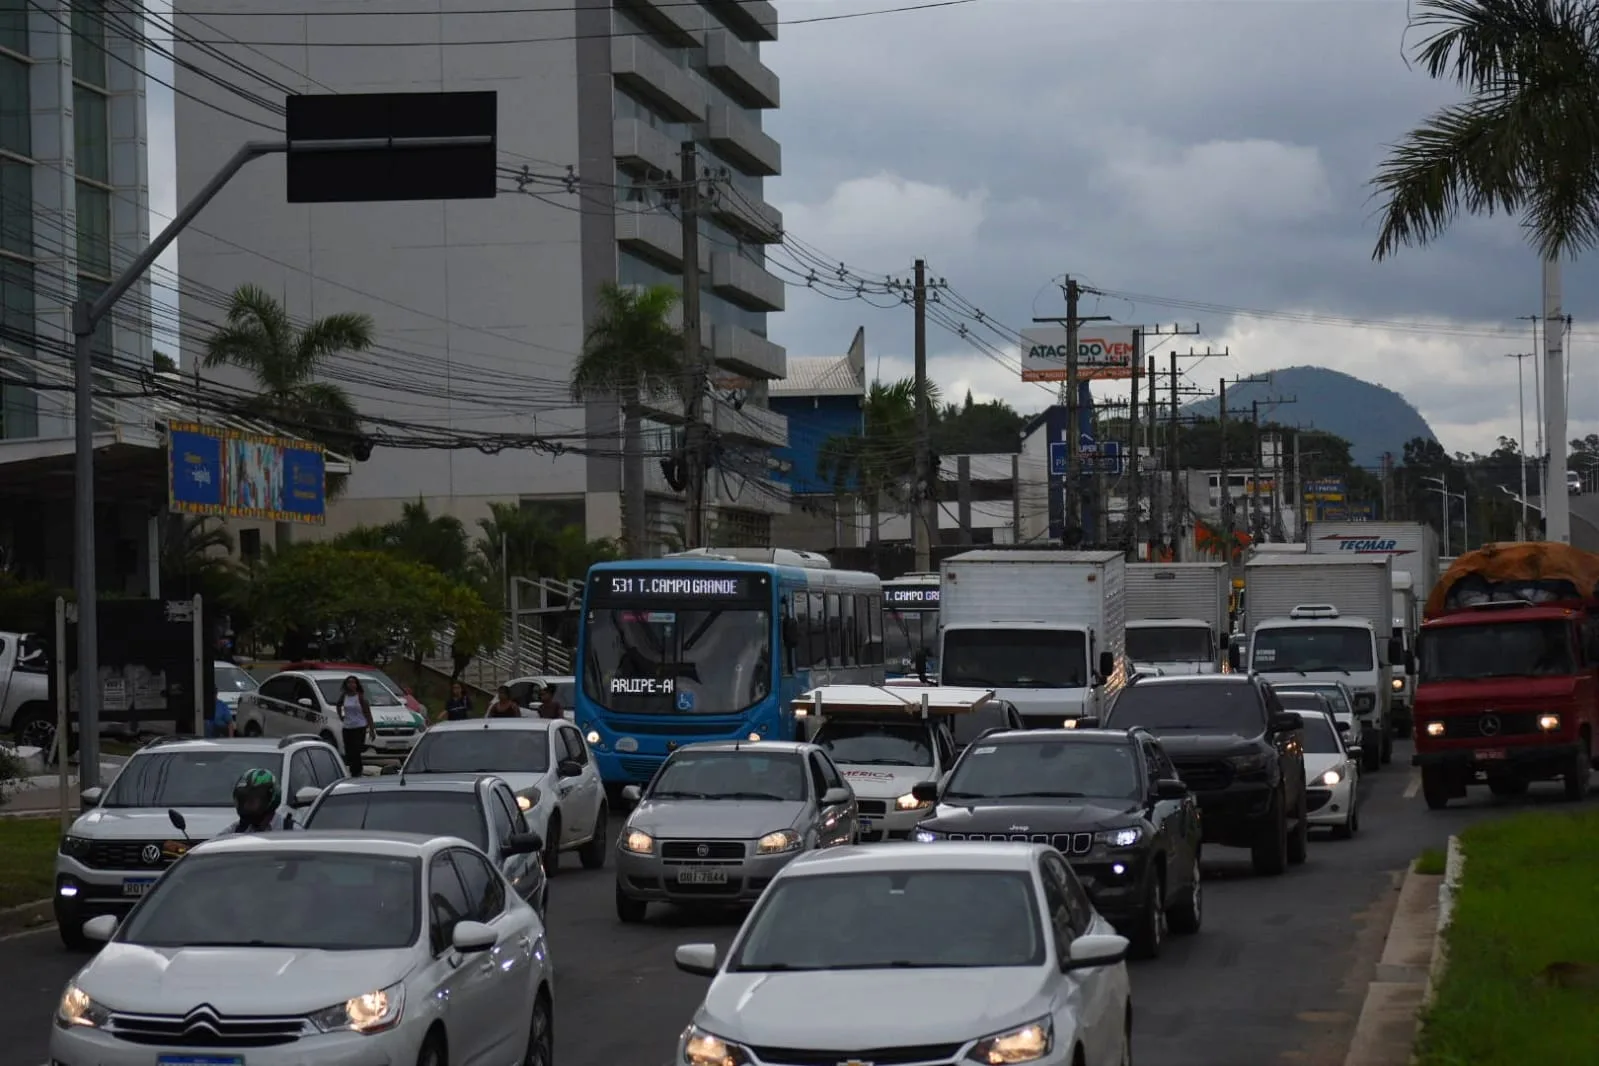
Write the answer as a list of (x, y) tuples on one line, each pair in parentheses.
[(677, 795)]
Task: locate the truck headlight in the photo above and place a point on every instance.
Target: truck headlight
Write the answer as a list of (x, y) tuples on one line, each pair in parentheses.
[(1399, 684), (1120, 838), (1365, 702), (1549, 723), (909, 802), (1435, 729)]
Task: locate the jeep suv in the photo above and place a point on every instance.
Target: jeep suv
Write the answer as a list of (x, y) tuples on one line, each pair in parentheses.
[(1236, 747), (124, 839)]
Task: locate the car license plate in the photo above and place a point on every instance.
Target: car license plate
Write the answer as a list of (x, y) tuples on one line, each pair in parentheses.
[(137, 886), (1490, 754), (696, 876), (867, 823), (200, 1060)]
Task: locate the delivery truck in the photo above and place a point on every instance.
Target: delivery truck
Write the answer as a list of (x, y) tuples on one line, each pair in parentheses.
[(1044, 629), (1328, 618), (1177, 617)]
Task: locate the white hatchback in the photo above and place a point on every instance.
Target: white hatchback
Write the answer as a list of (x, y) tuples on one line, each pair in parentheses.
[(957, 952), (308, 948), (1332, 775)]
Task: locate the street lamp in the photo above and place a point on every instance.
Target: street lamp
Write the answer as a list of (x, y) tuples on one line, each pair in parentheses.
[(1521, 442), (1465, 522)]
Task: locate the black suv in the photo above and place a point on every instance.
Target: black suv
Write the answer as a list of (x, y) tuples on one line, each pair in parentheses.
[(1239, 751), (1110, 802)]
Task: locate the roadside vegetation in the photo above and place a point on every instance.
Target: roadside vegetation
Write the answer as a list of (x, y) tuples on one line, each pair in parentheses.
[(1432, 862), (1522, 978), (27, 859)]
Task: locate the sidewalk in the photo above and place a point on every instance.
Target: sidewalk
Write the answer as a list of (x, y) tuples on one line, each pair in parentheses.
[(41, 793)]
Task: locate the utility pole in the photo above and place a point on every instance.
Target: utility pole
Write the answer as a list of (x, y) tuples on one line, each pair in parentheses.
[(963, 468), (1299, 495), (1556, 502), (1174, 526), (1134, 493), (1226, 496), (1521, 441), (923, 515), (1073, 496), (1257, 525), (696, 442)]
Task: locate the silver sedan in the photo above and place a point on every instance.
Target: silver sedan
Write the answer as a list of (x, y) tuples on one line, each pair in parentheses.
[(720, 819)]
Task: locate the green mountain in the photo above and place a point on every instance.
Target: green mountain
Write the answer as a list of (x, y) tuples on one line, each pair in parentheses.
[(1371, 418)]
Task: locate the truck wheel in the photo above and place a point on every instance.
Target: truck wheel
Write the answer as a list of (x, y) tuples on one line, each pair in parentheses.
[(1435, 788), (1299, 839), (1371, 753), (1578, 773), (1269, 853), (1387, 746)]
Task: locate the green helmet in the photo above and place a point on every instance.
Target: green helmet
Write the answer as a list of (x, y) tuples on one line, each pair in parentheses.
[(256, 794)]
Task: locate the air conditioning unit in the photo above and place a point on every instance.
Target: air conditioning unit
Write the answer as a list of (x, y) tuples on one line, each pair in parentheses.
[(1314, 610)]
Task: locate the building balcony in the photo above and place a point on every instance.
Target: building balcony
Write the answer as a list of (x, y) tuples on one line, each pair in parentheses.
[(645, 69), (750, 423), (745, 283), (757, 221), (640, 146), (743, 352), (753, 20), (742, 142), (655, 235), (739, 71), (674, 20)]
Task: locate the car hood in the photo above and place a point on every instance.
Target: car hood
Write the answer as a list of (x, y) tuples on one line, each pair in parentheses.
[(518, 782), (152, 823), (1001, 816), (127, 977), (1317, 764), (1175, 668), (1179, 744), (714, 819), (933, 1007), (390, 715), (885, 782)]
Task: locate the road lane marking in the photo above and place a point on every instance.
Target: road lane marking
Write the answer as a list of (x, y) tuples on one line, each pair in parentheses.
[(1414, 785)]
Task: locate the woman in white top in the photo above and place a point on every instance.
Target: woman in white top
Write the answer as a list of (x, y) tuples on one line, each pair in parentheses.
[(356, 715)]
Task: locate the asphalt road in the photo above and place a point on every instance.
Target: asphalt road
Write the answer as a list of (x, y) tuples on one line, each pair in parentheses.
[(1276, 977)]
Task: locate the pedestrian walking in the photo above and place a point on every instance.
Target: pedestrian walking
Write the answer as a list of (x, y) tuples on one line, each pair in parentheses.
[(504, 706), (551, 706), (356, 715), (459, 706)]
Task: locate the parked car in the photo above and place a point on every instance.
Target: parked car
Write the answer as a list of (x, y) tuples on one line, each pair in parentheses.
[(400, 692), (306, 701)]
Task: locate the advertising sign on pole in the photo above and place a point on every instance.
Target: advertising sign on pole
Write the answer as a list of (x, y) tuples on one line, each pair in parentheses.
[(1104, 353), (215, 471)]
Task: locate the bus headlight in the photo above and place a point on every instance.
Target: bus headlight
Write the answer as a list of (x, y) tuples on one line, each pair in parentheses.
[(593, 738)]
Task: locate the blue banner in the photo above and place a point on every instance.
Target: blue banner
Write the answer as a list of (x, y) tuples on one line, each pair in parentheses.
[(216, 471)]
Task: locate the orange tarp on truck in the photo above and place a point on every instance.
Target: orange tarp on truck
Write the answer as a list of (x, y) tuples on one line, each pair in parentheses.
[(1535, 571)]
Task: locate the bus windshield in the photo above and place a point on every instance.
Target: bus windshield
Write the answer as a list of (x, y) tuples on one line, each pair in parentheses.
[(663, 661), (904, 634)]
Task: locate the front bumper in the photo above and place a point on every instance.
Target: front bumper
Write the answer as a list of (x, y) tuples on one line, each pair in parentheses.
[(1329, 806), (83, 892), (1231, 817), (1115, 884), (655, 879), (880, 821), (1524, 761), (92, 1047), (397, 742)]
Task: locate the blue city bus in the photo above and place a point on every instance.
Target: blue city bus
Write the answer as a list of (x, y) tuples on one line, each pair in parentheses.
[(910, 624), (714, 644)]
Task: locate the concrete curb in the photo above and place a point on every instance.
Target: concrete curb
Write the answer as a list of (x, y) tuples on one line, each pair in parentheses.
[(27, 917), (1454, 871), (1385, 1034)]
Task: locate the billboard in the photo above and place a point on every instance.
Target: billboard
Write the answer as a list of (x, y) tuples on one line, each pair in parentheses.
[(1104, 353), (215, 471)]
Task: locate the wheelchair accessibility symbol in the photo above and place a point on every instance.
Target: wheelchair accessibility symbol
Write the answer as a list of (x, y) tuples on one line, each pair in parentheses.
[(685, 701)]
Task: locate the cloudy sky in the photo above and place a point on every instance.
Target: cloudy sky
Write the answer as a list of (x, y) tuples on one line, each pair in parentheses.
[(1206, 160)]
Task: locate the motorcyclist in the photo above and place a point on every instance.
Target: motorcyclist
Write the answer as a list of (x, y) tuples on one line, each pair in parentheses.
[(258, 798)]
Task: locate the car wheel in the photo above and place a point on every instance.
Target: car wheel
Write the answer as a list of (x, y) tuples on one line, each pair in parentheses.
[(1371, 753), (541, 1034), (35, 729), (1299, 841), (1269, 853), (432, 1053), (1387, 746), (1150, 935), (1351, 824), (592, 854), (630, 910), (551, 856), (1189, 914), (252, 729)]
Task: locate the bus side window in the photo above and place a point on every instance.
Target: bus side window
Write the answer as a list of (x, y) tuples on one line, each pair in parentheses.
[(874, 616), (863, 628), (835, 631), (789, 635), (818, 628), (802, 633), (846, 609)]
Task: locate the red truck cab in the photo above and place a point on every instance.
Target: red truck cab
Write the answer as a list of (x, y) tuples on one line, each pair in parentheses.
[(1508, 694)]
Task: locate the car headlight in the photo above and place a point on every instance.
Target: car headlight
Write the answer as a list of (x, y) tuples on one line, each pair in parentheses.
[(1549, 723), (371, 1012), (924, 836), (76, 1008), (780, 841), (1120, 838), (1399, 684), (909, 802), (1245, 764), (1331, 778), (700, 1048), (638, 842), (529, 799), (74, 847), (1024, 1044)]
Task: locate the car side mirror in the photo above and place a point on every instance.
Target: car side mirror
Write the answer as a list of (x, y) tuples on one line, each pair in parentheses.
[(1286, 723), (1343, 727), (1354, 751), (528, 843), (569, 768), (697, 959), (1396, 650), (1170, 789), (304, 701), (100, 928), (1087, 952), (471, 937), (833, 797), (1107, 664), (390, 769), (925, 791), (90, 797), (306, 796), (180, 823)]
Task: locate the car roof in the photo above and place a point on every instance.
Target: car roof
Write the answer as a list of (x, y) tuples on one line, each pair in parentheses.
[(259, 744), (944, 855), (760, 747), (1175, 680), (1087, 736), (526, 725), (411, 783), (339, 841)]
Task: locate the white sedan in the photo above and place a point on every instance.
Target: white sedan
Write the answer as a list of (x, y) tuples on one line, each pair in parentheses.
[(306, 948), (306, 701), (1332, 775), (1012, 963)]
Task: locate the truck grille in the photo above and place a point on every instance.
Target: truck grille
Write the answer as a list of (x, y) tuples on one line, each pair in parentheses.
[(1510, 724), (883, 1056), (713, 849), (639, 766), (1065, 843), (1205, 776), (125, 855)]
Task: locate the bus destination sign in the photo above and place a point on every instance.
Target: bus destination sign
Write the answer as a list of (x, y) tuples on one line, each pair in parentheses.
[(677, 585), (924, 597)]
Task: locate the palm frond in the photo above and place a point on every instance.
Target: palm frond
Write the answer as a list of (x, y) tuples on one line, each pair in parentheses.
[(328, 336)]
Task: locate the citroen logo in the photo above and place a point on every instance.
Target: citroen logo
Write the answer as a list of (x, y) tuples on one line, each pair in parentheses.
[(202, 1019), (1489, 725), (703, 850), (151, 854)]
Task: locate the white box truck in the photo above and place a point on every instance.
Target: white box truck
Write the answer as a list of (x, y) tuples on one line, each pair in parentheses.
[(1327, 618), (1044, 629), (1413, 547), (1177, 617)]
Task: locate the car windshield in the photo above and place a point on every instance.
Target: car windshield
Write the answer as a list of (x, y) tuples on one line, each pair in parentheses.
[(904, 634), (480, 751), (684, 661), (1334, 696), (730, 775), (1303, 701), (332, 689), (876, 743), (1496, 649), (1305, 649), (395, 688), (280, 899), (1168, 644), (1320, 739), (454, 813), (1045, 769), (201, 777), (890, 921), (1200, 707), (1014, 658), (230, 678)]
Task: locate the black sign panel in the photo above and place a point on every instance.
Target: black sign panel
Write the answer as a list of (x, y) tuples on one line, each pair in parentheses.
[(146, 662), (667, 587), (922, 597), (407, 167)]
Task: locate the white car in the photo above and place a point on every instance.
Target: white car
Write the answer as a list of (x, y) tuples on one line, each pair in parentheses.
[(528, 691), (957, 952), (306, 948), (548, 766), (1332, 775), (233, 683), (306, 701)]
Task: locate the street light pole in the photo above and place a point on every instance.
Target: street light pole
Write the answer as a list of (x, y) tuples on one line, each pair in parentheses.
[(1521, 442), (1443, 491)]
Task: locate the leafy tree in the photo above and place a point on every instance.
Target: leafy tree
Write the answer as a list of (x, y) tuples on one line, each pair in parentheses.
[(992, 426), (532, 547), (196, 557), (881, 460), (439, 541), (162, 362), (633, 354)]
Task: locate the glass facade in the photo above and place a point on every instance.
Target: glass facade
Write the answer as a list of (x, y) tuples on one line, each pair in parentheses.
[(18, 410), (93, 138)]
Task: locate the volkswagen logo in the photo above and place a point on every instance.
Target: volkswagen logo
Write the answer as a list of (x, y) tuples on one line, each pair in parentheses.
[(151, 854), (703, 850), (1489, 725)]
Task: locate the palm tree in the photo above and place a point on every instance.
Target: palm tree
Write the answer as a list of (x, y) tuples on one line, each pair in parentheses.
[(882, 456), (284, 359), (632, 353), (1525, 142)]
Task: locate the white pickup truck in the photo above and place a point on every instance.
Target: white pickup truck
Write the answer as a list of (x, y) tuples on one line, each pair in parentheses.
[(25, 709)]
